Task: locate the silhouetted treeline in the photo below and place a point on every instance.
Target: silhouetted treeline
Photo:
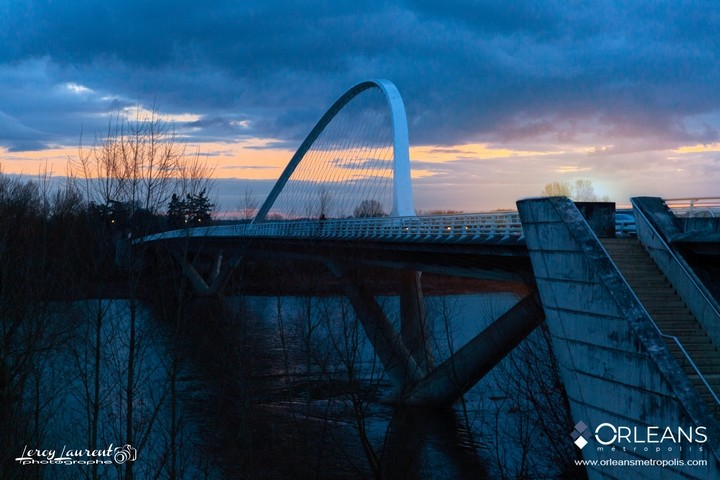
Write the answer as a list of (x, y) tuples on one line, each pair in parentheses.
[(61, 246)]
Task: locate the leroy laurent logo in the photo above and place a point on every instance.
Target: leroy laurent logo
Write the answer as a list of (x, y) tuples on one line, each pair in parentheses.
[(118, 455), (581, 434)]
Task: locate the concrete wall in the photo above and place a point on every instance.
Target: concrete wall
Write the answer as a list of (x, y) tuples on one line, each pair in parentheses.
[(700, 224), (600, 216), (613, 362)]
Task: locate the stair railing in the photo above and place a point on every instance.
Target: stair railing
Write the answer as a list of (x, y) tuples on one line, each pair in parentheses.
[(693, 365), (710, 303), (673, 338), (691, 278)]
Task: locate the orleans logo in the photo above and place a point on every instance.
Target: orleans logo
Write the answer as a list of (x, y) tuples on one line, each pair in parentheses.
[(581, 434), (639, 438)]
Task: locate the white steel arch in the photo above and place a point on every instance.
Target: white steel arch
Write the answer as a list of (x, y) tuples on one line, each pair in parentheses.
[(402, 189)]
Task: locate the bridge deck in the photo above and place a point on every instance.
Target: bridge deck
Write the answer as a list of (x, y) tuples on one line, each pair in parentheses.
[(497, 227), (484, 246)]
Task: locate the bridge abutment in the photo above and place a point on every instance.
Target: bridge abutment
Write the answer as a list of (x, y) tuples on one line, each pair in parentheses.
[(613, 360)]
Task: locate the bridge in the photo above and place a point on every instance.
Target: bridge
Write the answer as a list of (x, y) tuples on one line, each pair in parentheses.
[(631, 304)]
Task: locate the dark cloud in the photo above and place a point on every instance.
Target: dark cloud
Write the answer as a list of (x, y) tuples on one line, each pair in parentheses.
[(21, 137), (525, 72)]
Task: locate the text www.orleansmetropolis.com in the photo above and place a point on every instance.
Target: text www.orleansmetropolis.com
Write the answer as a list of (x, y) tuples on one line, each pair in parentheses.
[(611, 462)]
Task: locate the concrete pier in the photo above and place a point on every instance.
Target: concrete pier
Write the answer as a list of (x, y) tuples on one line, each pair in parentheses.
[(413, 320), (455, 376), (399, 364), (615, 364)]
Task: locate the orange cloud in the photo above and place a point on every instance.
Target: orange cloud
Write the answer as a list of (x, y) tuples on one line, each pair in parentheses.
[(439, 154), (54, 160), (249, 159), (699, 148), (252, 159)]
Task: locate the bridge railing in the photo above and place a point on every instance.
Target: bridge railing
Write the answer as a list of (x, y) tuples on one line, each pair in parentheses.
[(504, 224), (694, 207)]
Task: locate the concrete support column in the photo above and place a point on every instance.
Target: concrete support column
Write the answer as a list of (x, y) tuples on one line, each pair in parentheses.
[(399, 364), (197, 281), (456, 375), (413, 320), (217, 265), (223, 274), (219, 274)]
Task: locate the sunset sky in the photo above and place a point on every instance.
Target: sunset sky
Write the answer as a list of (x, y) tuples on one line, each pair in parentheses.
[(501, 97)]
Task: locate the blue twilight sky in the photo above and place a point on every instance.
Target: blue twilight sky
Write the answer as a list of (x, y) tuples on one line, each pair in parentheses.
[(502, 97)]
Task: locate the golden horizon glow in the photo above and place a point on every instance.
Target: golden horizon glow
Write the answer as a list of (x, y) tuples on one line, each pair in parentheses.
[(51, 160), (251, 159), (699, 148), (257, 159), (470, 151)]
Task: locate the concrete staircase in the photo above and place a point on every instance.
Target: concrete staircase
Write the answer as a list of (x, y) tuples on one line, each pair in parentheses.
[(670, 313)]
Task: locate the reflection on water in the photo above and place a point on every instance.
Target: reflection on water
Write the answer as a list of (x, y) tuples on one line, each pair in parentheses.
[(309, 402), (289, 387)]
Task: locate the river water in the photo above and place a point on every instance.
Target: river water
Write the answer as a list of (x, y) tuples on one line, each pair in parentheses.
[(289, 387)]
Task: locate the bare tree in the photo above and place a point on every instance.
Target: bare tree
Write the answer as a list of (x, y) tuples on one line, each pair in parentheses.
[(54, 246), (584, 191), (138, 161), (557, 189), (369, 208), (533, 402), (31, 276), (249, 206), (581, 191), (323, 204), (138, 164)]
